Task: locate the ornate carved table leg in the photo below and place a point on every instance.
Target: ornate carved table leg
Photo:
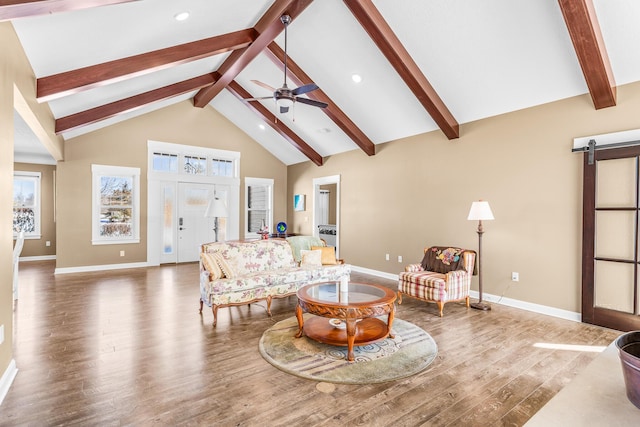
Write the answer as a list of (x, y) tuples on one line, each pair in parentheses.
[(392, 314), (300, 321), (351, 338)]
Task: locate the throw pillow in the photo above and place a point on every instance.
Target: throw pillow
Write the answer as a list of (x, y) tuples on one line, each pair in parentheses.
[(328, 254), (226, 266), (310, 258), (210, 264), (442, 259)]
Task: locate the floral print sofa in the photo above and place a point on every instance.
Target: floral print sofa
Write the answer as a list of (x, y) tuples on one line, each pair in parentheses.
[(242, 272)]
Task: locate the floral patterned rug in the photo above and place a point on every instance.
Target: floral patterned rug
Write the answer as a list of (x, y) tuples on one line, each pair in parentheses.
[(410, 352)]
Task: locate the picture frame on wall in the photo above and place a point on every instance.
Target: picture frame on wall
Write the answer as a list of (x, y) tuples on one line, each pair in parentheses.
[(298, 202)]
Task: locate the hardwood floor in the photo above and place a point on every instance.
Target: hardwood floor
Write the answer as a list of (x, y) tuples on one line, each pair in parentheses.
[(128, 347)]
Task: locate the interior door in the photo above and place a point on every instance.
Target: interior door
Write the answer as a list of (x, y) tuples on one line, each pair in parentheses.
[(193, 228), (610, 288)]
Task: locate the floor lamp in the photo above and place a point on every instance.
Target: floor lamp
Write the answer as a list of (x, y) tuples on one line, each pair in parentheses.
[(216, 209), (480, 211)]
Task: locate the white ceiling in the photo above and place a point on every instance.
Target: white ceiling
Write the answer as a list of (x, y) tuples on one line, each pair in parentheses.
[(483, 58)]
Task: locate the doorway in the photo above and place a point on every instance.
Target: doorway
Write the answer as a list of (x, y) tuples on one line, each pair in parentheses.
[(181, 180), (326, 210), (184, 225), (611, 220)]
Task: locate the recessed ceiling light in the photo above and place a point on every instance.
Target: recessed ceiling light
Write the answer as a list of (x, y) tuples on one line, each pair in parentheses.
[(261, 126), (357, 78), (181, 16)]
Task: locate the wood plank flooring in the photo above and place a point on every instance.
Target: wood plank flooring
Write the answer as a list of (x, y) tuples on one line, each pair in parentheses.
[(128, 347)]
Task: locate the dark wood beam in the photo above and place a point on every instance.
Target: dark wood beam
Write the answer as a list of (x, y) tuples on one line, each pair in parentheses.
[(268, 27), (58, 85), (275, 124), (12, 9), (299, 77), (389, 44), (584, 29), (93, 115)]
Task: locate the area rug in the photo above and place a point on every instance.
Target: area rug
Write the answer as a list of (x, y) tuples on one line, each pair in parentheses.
[(410, 352)]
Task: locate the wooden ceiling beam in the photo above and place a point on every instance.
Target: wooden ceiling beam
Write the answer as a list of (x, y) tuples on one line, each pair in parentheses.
[(103, 112), (284, 131), (268, 27), (584, 30), (13, 9), (391, 47), (62, 84), (299, 77)]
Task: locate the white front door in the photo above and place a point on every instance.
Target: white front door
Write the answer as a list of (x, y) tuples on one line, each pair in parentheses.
[(184, 226), (193, 227)]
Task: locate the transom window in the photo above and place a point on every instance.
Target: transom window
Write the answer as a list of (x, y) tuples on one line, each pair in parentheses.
[(195, 165), (221, 167), (208, 162), (165, 162)]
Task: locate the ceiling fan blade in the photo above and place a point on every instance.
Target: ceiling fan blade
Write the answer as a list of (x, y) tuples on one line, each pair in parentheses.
[(305, 88), (283, 110), (264, 85), (312, 102), (258, 99)]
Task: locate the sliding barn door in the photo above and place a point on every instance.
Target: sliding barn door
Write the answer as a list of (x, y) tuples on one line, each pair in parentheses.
[(610, 281)]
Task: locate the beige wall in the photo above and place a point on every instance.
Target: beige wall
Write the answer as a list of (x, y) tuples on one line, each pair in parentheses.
[(15, 72), (38, 247), (125, 144), (520, 162)]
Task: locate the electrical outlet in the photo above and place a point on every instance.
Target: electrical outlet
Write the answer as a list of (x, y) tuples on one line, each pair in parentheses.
[(386, 257), (399, 258), (121, 253), (515, 277), (47, 243), (1, 334)]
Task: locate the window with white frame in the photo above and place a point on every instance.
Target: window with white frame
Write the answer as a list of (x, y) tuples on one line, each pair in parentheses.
[(258, 205), (200, 161), (222, 167), (165, 162), (115, 205), (26, 204), (195, 165)]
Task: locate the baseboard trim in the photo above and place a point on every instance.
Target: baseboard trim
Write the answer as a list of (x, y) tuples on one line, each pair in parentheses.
[(377, 273), (7, 379), (510, 302), (529, 306), (88, 268), (37, 258)]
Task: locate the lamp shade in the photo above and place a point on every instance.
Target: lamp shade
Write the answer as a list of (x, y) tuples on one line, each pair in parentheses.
[(216, 209), (480, 211)]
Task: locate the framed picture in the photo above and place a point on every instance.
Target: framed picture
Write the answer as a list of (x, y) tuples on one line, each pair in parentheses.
[(298, 202)]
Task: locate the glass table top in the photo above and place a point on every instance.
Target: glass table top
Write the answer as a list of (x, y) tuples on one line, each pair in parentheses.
[(357, 293)]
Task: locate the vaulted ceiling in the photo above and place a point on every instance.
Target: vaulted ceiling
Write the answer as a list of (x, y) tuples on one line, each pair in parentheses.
[(424, 65)]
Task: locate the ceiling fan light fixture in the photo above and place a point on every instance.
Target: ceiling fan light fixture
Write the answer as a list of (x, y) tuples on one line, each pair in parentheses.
[(284, 102)]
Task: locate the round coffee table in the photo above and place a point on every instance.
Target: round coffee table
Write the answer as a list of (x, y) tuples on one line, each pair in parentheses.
[(345, 318)]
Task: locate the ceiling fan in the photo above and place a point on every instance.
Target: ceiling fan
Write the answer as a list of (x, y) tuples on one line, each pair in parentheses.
[(284, 96)]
